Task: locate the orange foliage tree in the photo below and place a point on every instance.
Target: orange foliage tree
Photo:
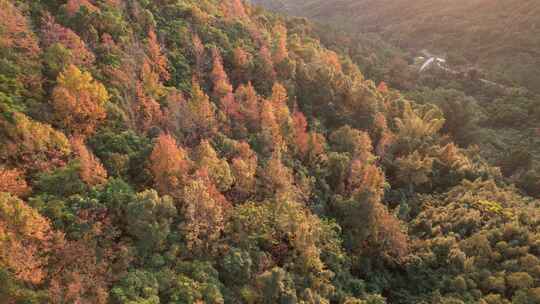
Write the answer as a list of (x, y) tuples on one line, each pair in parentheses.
[(79, 101), (157, 58), (280, 49), (241, 64), (244, 168), (234, 9), (80, 270), (172, 114), (369, 227), (12, 181), (223, 90), (169, 164), (279, 100), (278, 181), (249, 102), (199, 115), (218, 169), (91, 170), (72, 7), (203, 211), (301, 137), (15, 31), (25, 238), (20, 45), (147, 110), (267, 64), (31, 145), (270, 135)]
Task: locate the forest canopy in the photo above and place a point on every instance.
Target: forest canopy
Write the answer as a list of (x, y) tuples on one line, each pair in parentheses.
[(205, 151)]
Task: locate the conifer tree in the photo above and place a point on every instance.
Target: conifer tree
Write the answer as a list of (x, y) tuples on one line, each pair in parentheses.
[(223, 90), (91, 170), (157, 59)]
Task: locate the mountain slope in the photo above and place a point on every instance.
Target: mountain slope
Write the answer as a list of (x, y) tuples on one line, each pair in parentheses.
[(500, 37), (203, 151)]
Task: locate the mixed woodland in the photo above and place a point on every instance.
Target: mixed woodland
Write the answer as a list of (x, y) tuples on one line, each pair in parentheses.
[(210, 151)]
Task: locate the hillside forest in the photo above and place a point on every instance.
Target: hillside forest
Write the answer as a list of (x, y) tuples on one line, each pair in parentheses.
[(211, 151)]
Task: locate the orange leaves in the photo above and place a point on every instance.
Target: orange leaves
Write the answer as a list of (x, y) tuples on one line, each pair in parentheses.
[(234, 9), (223, 90), (147, 109), (199, 115), (279, 100), (301, 137), (249, 101), (204, 216), (24, 238), (222, 85), (30, 144), (12, 181), (91, 170), (280, 50), (332, 59), (79, 270), (169, 165), (19, 46), (244, 168), (73, 6), (15, 31), (278, 181), (79, 101), (267, 63), (242, 62), (157, 58), (241, 58), (270, 129), (218, 169)]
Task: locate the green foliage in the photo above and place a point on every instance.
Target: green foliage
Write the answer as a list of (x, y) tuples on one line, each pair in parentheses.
[(149, 218), (137, 287)]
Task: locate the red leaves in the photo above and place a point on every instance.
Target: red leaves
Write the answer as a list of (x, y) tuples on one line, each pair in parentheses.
[(382, 87)]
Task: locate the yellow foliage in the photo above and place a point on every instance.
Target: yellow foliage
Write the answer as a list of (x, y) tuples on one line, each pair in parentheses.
[(79, 101), (414, 168), (420, 123)]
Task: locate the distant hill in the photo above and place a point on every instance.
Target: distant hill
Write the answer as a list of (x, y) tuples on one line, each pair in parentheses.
[(500, 37)]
